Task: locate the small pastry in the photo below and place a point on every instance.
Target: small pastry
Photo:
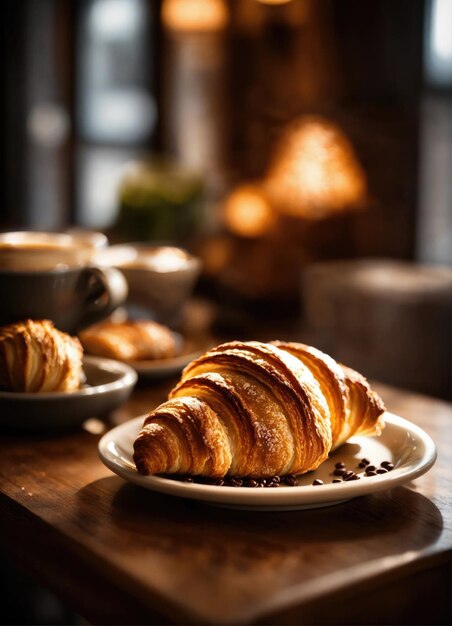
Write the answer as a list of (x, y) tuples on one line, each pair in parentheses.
[(36, 357), (258, 410), (130, 341)]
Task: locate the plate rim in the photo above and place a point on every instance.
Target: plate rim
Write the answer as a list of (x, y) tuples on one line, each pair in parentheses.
[(159, 365), (302, 495)]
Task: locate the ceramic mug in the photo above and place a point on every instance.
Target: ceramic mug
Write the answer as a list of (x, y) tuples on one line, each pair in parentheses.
[(49, 276)]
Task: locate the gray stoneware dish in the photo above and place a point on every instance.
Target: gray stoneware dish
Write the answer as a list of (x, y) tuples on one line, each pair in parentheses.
[(108, 385)]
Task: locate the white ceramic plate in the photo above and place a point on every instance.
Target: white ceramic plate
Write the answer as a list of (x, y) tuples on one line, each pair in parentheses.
[(162, 368), (108, 385), (407, 446)]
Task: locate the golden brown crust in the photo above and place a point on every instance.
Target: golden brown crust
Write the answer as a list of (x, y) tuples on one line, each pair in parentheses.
[(36, 357), (129, 341), (274, 408), (189, 438), (354, 407), (366, 408), (331, 379), (295, 432)]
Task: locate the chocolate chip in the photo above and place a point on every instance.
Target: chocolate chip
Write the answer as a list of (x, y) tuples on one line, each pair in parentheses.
[(348, 475), (290, 481), (236, 482), (276, 479), (362, 464), (252, 483), (317, 481), (371, 473), (188, 479), (219, 482), (340, 465), (339, 472), (263, 482), (382, 470), (371, 468), (365, 461), (336, 480), (272, 484), (387, 465), (354, 477)]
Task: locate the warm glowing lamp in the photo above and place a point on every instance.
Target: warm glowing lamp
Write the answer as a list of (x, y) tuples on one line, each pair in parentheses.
[(194, 15), (247, 212), (315, 172)]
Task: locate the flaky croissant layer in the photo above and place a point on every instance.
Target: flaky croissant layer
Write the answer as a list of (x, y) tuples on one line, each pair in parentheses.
[(129, 341), (36, 357), (257, 409)]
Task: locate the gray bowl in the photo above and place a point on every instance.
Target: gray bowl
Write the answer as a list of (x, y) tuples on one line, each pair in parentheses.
[(108, 385)]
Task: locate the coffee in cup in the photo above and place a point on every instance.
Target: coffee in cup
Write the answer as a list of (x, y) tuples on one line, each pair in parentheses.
[(49, 276)]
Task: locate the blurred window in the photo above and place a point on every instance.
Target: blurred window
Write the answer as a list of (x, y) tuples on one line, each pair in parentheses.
[(438, 39), (434, 235), (116, 111)]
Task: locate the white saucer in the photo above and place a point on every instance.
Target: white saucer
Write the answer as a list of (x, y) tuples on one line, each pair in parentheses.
[(108, 385), (162, 368), (407, 446)]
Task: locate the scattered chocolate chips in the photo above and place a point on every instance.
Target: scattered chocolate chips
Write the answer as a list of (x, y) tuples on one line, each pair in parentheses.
[(290, 480)]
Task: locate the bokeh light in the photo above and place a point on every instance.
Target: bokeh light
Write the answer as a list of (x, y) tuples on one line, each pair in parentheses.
[(247, 212), (194, 15), (315, 171)]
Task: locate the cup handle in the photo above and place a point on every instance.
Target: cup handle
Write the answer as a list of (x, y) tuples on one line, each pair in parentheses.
[(106, 290)]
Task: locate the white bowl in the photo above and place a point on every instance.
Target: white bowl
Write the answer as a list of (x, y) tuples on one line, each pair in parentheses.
[(160, 278)]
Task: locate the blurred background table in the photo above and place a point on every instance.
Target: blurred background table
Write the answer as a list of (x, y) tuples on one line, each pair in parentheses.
[(117, 554)]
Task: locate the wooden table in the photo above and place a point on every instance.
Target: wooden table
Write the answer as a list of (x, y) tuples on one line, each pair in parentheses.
[(118, 554)]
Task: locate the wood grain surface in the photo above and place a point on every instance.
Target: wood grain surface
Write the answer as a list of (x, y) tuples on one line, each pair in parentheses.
[(120, 554)]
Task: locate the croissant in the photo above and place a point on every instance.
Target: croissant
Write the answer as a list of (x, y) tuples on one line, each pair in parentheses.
[(257, 409), (36, 357), (129, 341)]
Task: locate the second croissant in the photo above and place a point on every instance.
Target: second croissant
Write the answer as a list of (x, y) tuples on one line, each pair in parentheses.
[(257, 410)]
